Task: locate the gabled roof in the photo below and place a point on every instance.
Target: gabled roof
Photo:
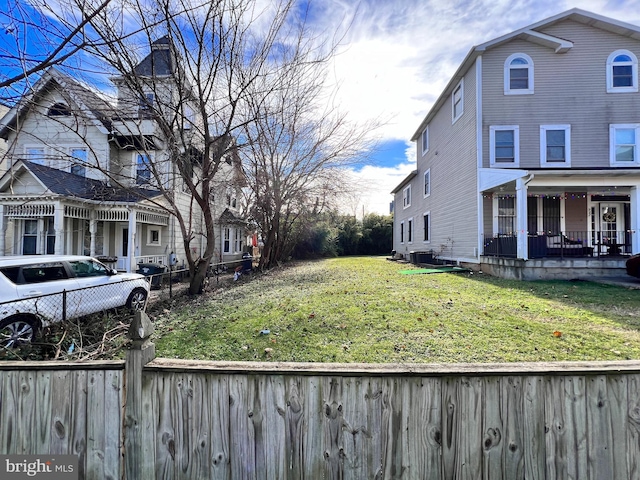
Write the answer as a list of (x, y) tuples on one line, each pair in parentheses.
[(532, 34), (64, 183), (89, 103)]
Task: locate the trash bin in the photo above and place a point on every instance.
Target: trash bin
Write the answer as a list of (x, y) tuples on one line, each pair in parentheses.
[(247, 262), (154, 270)]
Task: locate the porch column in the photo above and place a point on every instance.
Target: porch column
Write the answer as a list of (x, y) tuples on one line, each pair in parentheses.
[(3, 230), (93, 228), (634, 195), (521, 219), (41, 248), (132, 241), (58, 227)]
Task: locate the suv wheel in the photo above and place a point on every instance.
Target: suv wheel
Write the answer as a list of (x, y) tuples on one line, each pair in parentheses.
[(18, 330), (137, 300)]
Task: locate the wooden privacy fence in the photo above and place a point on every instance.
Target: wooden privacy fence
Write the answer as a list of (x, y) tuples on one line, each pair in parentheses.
[(172, 419)]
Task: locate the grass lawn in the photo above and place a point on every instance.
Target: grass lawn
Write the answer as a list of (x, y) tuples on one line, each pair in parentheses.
[(361, 309)]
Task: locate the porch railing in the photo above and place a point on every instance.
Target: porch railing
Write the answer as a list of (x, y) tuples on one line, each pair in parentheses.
[(564, 244)]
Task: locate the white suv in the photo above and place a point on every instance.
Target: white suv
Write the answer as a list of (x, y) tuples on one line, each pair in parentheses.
[(38, 290)]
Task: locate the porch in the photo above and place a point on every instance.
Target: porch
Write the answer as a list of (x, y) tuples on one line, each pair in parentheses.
[(563, 244)]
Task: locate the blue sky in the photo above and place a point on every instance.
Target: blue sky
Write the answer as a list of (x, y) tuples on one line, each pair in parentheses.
[(395, 59)]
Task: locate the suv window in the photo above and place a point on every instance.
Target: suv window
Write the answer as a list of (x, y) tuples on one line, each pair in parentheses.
[(11, 273), (88, 268), (43, 272)]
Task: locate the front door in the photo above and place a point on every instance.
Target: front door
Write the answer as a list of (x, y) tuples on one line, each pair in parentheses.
[(612, 227), (123, 247)]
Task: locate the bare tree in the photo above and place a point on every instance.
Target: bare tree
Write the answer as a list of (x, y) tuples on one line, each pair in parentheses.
[(235, 62), (300, 146)]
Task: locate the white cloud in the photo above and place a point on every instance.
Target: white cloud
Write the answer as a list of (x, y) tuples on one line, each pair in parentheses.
[(398, 56)]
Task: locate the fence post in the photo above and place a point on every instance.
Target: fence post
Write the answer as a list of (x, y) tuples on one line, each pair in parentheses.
[(142, 351)]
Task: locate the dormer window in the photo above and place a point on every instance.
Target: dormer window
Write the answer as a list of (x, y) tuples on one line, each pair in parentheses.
[(518, 75), (622, 72), (59, 110)]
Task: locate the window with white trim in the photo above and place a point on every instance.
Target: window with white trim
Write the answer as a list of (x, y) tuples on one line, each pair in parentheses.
[(622, 72), (425, 140), (402, 232), (504, 146), (506, 215), (427, 183), (227, 241), (426, 227), (555, 145), (237, 244), (518, 75), (410, 230), (143, 169), (457, 102), (406, 197), (78, 161), (153, 236), (623, 144)]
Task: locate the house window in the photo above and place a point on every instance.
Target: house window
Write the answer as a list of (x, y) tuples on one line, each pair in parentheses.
[(425, 140), (518, 75), (506, 215), (457, 102), (50, 245), (237, 244), (426, 227), (504, 145), (30, 237), (59, 110), (406, 197), (35, 155), (623, 144), (427, 183), (622, 72), (143, 169), (410, 230), (555, 145), (153, 236), (226, 248), (401, 232), (78, 161)]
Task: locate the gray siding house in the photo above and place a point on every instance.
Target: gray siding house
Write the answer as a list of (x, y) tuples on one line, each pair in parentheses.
[(77, 175), (528, 164)]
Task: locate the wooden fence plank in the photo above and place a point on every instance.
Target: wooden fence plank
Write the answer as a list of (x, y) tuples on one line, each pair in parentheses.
[(513, 442), (426, 449), (450, 419), (96, 426), (165, 436), (533, 428), (43, 411), (312, 393), (469, 459), (295, 427), (220, 427), (493, 429), (333, 440), (26, 411), (242, 441), (633, 426)]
